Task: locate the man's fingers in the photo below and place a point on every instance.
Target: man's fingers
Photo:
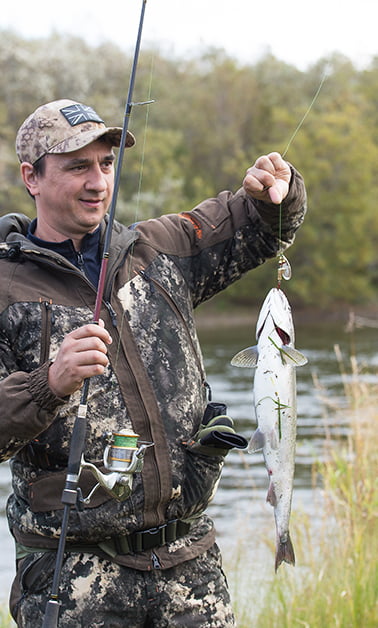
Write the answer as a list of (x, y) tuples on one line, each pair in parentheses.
[(82, 354), (90, 343), (91, 330), (265, 163), (276, 194), (268, 179)]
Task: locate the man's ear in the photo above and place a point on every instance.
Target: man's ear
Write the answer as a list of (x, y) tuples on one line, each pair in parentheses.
[(29, 177)]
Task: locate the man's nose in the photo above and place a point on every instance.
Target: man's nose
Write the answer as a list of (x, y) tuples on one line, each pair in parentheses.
[(96, 179)]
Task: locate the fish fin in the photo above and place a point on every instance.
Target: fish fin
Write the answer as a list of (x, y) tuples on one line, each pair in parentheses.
[(292, 356), (274, 439), (246, 358), (271, 497), (285, 551), (257, 441)]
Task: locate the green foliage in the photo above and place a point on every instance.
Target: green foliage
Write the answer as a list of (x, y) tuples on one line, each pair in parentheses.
[(211, 118)]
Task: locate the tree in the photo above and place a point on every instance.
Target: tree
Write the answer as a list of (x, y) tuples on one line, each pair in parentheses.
[(211, 118)]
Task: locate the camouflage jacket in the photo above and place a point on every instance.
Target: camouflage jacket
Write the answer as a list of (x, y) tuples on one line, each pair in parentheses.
[(158, 272)]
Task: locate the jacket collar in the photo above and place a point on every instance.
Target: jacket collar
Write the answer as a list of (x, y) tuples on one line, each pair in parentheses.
[(14, 229)]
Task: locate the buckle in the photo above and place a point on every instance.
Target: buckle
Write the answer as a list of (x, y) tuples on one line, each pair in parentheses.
[(144, 540), (147, 539)]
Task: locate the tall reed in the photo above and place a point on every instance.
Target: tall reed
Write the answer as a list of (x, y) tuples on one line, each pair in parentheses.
[(335, 582)]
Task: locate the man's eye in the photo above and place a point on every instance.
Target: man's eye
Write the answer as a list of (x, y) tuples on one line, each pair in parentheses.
[(78, 168)]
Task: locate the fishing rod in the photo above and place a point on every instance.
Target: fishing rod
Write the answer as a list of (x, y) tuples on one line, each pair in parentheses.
[(118, 483)]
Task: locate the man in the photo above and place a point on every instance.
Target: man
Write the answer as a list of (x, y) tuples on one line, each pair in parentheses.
[(151, 559)]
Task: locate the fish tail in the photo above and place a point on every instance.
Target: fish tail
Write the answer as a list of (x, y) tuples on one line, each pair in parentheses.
[(285, 551)]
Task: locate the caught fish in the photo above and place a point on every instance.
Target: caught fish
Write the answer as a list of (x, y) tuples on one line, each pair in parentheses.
[(275, 359)]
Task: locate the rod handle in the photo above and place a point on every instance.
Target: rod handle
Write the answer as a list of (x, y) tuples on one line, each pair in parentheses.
[(50, 619)]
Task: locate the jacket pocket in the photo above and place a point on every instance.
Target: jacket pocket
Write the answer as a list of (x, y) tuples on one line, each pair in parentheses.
[(36, 572), (202, 474), (45, 493)]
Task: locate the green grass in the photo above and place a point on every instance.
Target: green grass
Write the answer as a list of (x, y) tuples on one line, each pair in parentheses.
[(335, 582)]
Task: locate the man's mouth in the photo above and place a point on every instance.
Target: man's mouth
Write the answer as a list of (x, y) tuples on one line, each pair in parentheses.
[(92, 202)]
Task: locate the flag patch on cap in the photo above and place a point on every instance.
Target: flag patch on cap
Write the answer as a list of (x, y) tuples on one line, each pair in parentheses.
[(76, 114)]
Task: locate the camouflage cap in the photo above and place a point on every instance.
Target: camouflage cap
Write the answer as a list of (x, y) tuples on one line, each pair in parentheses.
[(63, 126)]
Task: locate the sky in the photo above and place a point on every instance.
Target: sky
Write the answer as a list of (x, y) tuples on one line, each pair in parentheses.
[(298, 32)]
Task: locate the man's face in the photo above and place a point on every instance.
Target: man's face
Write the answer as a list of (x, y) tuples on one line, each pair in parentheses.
[(74, 192)]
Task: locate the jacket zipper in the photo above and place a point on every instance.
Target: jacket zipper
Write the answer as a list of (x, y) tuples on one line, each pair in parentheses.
[(46, 321), (80, 261), (112, 313)]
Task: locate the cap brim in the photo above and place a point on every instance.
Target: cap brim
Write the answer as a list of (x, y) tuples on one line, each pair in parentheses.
[(115, 134), (84, 138)]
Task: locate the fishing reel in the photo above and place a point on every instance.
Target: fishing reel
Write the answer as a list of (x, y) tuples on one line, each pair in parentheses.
[(122, 458)]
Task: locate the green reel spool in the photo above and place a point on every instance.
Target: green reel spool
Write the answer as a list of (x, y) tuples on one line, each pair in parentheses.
[(119, 453)]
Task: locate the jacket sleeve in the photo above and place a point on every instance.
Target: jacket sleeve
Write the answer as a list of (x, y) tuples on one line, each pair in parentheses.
[(224, 237), (28, 408)]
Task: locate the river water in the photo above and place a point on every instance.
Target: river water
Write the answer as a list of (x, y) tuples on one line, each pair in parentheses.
[(239, 507)]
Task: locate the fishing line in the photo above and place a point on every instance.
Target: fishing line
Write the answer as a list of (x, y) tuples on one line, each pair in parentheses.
[(284, 270), (141, 168), (312, 103), (130, 253)]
